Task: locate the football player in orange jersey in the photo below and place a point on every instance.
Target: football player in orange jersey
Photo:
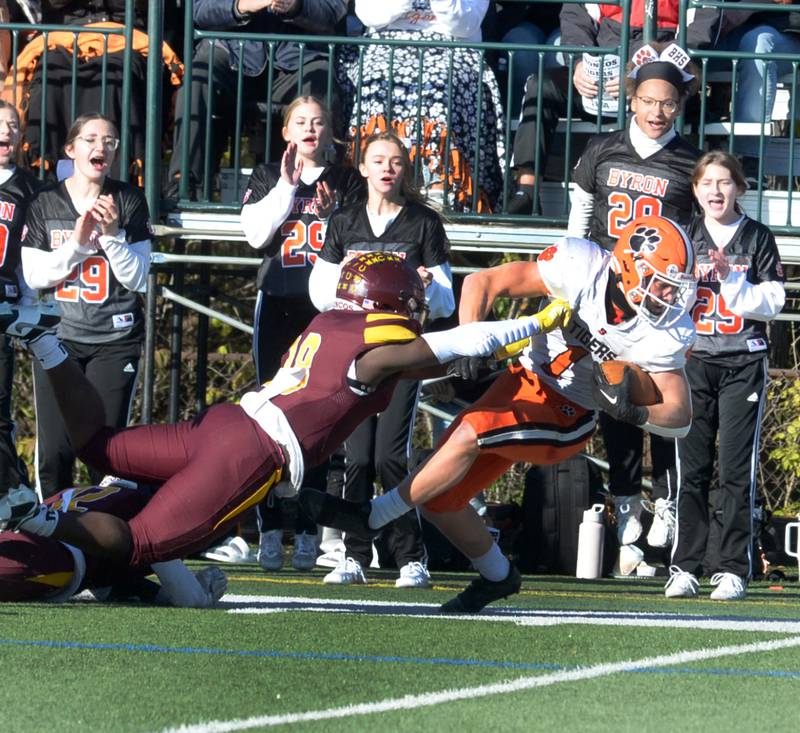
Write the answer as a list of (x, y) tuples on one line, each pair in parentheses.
[(630, 304)]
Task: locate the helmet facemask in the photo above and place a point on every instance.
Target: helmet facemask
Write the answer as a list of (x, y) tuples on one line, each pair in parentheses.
[(649, 300)]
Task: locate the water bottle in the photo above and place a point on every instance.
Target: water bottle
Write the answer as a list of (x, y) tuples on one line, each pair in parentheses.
[(590, 543)]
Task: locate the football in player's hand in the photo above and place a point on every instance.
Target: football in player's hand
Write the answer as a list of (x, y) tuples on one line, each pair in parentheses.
[(643, 389)]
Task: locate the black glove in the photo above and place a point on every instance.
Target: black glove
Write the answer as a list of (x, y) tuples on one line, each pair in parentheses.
[(468, 367), (615, 399)]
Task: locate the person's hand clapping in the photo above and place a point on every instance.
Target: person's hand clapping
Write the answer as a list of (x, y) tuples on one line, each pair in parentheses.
[(291, 167), (106, 213), (326, 200)]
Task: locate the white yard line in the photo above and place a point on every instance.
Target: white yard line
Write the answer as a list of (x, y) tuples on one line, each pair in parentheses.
[(248, 604), (413, 702)]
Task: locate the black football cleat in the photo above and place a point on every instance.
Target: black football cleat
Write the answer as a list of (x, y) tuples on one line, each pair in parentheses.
[(29, 322), (480, 592), (331, 511)]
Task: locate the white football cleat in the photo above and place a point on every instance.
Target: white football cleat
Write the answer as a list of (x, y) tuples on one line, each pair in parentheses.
[(17, 506)]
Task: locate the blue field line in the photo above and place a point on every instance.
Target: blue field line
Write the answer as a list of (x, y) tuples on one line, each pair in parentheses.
[(307, 656), (341, 657)]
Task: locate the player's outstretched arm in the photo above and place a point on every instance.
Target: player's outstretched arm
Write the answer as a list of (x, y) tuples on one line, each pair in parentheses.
[(481, 338), (512, 280)]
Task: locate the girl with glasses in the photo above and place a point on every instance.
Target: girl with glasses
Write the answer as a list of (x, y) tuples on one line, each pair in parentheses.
[(644, 169), (87, 244)]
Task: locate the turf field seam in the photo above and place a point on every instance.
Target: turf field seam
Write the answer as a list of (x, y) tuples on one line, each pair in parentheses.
[(412, 702)]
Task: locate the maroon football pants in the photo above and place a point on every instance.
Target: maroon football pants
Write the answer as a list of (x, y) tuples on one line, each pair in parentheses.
[(213, 468)]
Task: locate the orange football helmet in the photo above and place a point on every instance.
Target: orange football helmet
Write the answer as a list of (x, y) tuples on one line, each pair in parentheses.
[(654, 262)]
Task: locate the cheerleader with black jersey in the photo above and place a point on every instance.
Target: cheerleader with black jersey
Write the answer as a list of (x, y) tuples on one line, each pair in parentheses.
[(739, 291), (392, 219), (17, 188), (87, 241), (284, 214), (641, 170)]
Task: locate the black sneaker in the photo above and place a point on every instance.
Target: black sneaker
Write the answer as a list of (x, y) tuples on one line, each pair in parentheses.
[(481, 592), (331, 511), (28, 322)]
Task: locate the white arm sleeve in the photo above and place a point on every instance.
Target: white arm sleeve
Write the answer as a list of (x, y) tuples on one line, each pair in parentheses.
[(322, 284), (580, 212), (42, 269), (179, 585), (480, 338), (439, 294), (758, 301), (379, 14), (261, 219), (460, 18), (130, 263)]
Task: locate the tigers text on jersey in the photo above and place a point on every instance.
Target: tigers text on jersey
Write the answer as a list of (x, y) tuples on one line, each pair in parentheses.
[(722, 335), (95, 307), (290, 255), (626, 186), (577, 271), (416, 234), (322, 405), (15, 196)]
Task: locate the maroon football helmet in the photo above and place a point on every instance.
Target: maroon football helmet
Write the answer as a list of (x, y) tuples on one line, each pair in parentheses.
[(382, 281)]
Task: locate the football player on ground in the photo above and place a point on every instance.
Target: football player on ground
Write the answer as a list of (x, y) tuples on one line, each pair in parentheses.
[(34, 568), (629, 304), (341, 369)]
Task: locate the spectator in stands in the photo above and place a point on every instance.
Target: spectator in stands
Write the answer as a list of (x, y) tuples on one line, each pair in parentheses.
[(533, 23), (764, 33), (100, 69), (95, 282), (392, 219), (739, 292), (17, 188), (590, 25), (644, 169), (433, 119), (218, 64), (285, 210)]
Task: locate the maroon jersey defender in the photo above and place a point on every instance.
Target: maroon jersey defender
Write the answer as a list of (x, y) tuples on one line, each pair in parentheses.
[(342, 368), (34, 568)]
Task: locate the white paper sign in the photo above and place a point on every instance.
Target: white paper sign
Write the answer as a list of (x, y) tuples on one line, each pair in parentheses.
[(591, 65)]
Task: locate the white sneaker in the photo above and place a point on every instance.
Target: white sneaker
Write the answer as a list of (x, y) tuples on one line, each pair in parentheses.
[(413, 575), (681, 584), (347, 572), (270, 550), (627, 509), (305, 551), (628, 560), (730, 587), (662, 531), (331, 558)]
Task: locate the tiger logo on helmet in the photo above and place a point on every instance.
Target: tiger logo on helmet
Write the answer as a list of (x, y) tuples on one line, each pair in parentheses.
[(654, 262), (381, 281)]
